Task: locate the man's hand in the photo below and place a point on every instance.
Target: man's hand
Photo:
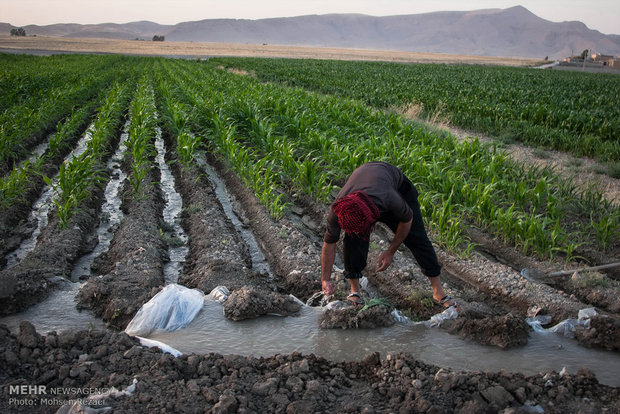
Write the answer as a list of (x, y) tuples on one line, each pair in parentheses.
[(328, 287), (385, 260), (328, 255)]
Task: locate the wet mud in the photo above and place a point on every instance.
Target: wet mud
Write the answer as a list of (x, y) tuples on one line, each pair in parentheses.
[(249, 303), (31, 280), (107, 369)]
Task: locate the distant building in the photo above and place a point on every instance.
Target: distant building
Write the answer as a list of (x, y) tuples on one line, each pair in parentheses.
[(607, 60), (597, 62)]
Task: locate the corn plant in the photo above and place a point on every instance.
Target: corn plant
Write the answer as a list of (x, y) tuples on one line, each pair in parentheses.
[(141, 133), (298, 137), (74, 184), (574, 112), (12, 186)]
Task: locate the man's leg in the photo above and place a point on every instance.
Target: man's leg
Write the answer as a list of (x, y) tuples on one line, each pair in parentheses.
[(420, 245), (355, 256)]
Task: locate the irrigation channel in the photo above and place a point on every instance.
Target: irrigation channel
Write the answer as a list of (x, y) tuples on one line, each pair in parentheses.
[(211, 331), (217, 235)]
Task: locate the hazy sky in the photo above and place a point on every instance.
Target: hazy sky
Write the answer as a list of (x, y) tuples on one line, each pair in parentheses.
[(602, 15)]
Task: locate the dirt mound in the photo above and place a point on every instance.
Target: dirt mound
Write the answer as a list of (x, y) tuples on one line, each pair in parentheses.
[(249, 302), (506, 331), (354, 316), (603, 332)]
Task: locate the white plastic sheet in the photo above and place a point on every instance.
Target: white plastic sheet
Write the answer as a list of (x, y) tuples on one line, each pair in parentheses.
[(219, 294), (151, 343), (399, 317), (172, 308), (566, 327), (437, 319)]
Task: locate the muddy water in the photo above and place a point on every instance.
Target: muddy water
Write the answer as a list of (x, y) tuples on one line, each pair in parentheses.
[(56, 313), (259, 262), (210, 331), (172, 213), (111, 213)]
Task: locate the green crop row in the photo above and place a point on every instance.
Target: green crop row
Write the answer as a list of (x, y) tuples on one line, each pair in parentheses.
[(15, 185), (39, 100), (140, 144), (460, 182), (285, 141), (568, 111), (80, 174)]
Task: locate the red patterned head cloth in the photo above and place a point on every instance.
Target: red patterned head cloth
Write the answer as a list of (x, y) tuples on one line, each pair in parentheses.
[(356, 214)]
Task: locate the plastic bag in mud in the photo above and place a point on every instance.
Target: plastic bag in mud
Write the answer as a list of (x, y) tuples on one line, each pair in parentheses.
[(219, 294), (565, 328), (438, 319), (172, 308)]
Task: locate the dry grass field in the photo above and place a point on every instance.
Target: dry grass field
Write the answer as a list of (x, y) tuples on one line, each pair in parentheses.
[(46, 45)]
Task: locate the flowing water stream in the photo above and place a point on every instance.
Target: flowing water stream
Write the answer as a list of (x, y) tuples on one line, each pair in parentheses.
[(259, 262), (172, 212), (211, 331), (111, 214)]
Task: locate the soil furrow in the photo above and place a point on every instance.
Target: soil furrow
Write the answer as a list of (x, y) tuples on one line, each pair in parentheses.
[(131, 271), (57, 249), (294, 259), (217, 256)]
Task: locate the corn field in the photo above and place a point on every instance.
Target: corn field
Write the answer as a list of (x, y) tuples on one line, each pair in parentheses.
[(300, 127)]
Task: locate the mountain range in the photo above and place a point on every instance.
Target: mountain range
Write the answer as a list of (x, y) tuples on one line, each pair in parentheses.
[(512, 32)]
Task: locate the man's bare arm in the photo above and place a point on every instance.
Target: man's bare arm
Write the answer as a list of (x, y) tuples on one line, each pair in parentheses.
[(385, 260), (328, 257)]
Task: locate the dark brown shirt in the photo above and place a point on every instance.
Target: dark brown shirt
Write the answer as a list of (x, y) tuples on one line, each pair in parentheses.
[(380, 181)]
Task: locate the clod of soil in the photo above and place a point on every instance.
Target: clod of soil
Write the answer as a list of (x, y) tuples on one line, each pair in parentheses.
[(603, 332), (249, 302), (354, 316), (506, 331)]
